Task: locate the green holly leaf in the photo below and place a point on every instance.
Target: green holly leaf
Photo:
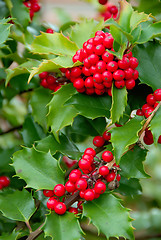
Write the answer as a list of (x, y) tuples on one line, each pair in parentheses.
[(64, 146), (149, 67), (11, 236), (149, 6), (4, 29), (20, 13), (5, 156), (129, 187), (31, 131), (59, 115), (21, 69), (84, 30), (132, 163), (125, 15), (62, 227), (128, 134), (55, 43), (22, 207), (155, 125), (39, 100), (149, 31), (119, 103), (90, 106), (40, 170), (137, 18), (109, 216)]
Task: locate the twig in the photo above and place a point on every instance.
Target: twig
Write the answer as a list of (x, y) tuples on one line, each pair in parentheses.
[(36, 233), (11, 130), (29, 227)]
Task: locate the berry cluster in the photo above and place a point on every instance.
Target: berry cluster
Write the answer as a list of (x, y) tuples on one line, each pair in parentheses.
[(146, 110), (89, 181), (33, 6), (48, 80), (99, 141), (109, 12), (4, 182), (100, 68)]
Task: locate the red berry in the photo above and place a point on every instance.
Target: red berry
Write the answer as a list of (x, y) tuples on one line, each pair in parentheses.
[(130, 84), (159, 139), (150, 100), (48, 193), (135, 74), (118, 177), (99, 49), (60, 208), (107, 84), (157, 95), (107, 57), (44, 83), (84, 164), (77, 57), (89, 195), (51, 80), (88, 157), (107, 156), (120, 84), (108, 41), (107, 135), (148, 112), (73, 210), (148, 141), (112, 66), (78, 83), (139, 112), (98, 141), (86, 71), (89, 48), (107, 76), (124, 63), (93, 59), (81, 194), (113, 9), (97, 77), (87, 63), (145, 107), (101, 66), (81, 184), (35, 7), (4, 181), (128, 73), (100, 33), (75, 72), (70, 187), (49, 30), (51, 203), (89, 82), (118, 75), (102, 2), (98, 39), (43, 75), (59, 190), (134, 62), (100, 187), (90, 151), (90, 91), (74, 175), (110, 177), (103, 170), (93, 70)]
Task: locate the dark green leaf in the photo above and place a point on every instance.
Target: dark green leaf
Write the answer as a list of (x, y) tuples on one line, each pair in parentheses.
[(20, 12), (122, 137), (149, 68), (91, 106), (65, 146), (4, 30), (31, 132), (129, 187), (5, 156), (59, 115), (39, 170), (132, 163), (109, 216), (62, 227), (55, 43), (149, 6), (39, 100), (22, 207), (119, 102)]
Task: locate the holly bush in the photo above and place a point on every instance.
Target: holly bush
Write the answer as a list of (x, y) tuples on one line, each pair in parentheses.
[(80, 117)]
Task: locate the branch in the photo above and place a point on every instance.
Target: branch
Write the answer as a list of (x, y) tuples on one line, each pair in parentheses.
[(36, 233), (11, 130)]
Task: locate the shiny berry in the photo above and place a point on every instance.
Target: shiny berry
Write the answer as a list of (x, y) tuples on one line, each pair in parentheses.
[(130, 84), (110, 177), (98, 141), (120, 84), (73, 210), (119, 75), (90, 151), (107, 135), (43, 75), (74, 175), (103, 170), (157, 95), (70, 187), (49, 30), (150, 100), (60, 208), (89, 195), (4, 181), (81, 184), (100, 187), (107, 156), (59, 190), (134, 62), (107, 57), (84, 164), (78, 83), (48, 193), (51, 203), (112, 66)]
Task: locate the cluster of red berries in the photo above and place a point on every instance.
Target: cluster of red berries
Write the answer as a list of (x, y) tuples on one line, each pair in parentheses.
[(89, 181), (33, 6), (109, 12), (100, 68), (48, 80), (146, 110), (4, 182), (99, 141)]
